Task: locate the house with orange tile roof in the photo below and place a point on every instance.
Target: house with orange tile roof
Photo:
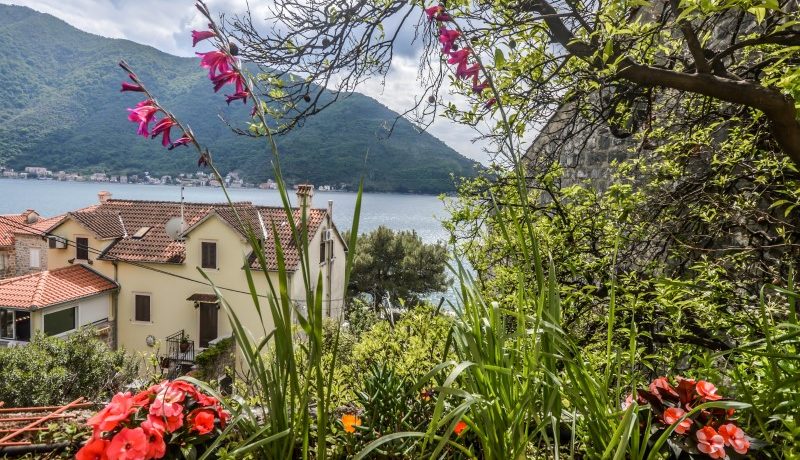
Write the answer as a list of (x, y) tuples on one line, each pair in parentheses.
[(155, 251), (23, 249), (55, 302)]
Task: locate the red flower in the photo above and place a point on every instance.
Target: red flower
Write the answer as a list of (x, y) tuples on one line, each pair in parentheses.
[(142, 398), (710, 442), (460, 427), (459, 57), (490, 103), (116, 411), (128, 444), (156, 447), (143, 114), (660, 387), (448, 38), (200, 35), (478, 88), (216, 62), (95, 449), (707, 390), (733, 436), (672, 415), (201, 420), (163, 126), (166, 424)]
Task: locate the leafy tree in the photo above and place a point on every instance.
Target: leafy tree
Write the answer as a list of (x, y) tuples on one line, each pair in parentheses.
[(397, 267)]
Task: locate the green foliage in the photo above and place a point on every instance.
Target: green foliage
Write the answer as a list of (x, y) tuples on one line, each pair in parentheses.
[(52, 371), (397, 266), (216, 360), (57, 78)]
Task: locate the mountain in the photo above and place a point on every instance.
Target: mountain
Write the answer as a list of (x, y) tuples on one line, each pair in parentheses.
[(60, 107)]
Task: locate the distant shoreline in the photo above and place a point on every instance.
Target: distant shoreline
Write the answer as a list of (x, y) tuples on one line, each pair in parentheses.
[(211, 187)]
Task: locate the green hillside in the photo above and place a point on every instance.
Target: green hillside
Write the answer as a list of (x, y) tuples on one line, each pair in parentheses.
[(60, 107)]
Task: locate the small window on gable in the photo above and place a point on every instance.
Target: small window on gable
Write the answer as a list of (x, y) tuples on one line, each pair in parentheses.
[(323, 249), (209, 254), (35, 261), (82, 248), (142, 308)]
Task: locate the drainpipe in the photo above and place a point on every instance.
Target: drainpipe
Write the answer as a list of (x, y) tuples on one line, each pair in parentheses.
[(115, 309), (329, 255)]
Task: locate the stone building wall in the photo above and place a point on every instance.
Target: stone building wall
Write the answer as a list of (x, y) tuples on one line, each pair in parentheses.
[(8, 263), (22, 248)]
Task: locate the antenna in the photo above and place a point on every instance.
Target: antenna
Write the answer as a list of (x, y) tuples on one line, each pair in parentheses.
[(182, 187)]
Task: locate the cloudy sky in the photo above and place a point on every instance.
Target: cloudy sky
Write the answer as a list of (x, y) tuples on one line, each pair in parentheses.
[(166, 24)]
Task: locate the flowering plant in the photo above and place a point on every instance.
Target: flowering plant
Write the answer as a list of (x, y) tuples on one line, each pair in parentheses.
[(150, 424), (697, 420)]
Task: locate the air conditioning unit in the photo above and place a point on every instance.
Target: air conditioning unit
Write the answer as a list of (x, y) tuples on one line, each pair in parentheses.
[(56, 242), (328, 235)]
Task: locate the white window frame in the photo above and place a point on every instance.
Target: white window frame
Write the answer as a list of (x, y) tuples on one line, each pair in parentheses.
[(133, 308), (35, 262), (55, 310)]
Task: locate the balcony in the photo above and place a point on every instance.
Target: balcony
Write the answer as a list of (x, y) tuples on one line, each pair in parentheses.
[(179, 357)]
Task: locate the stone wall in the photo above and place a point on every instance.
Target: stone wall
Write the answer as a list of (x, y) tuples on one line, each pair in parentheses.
[(8, 263), (22, 249)]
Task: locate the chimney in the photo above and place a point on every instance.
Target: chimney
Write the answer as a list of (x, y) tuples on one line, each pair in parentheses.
[(305, 196), (103, 196)]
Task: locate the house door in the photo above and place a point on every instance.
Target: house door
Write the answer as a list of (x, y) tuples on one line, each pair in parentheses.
[(208, 323)]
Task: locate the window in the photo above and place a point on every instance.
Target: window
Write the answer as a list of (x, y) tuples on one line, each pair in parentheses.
[(82, 248), (2, 261), (35, 258), (6, 324), (209, 250), (142, 308), (323, 249), (60, 321)]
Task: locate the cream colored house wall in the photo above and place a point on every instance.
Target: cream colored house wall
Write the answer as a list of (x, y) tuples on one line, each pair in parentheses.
[(170, 312), (71, 230), (90, 310)]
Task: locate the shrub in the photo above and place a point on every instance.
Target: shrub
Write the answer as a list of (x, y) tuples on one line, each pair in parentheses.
[(51, 371)]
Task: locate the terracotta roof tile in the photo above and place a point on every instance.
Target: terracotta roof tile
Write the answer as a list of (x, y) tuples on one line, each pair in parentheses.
[(157, 247), (52, 287), (11, 224)]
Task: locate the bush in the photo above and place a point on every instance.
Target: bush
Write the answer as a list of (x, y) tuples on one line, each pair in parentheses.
[(52, 371)]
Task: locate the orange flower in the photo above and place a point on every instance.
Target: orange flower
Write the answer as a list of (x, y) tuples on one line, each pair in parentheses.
[(350, 422), (460, 427), (95, 449), (202, 420), (707, 390), (672, 415), (734, 437), (118, 410), (128, 444)]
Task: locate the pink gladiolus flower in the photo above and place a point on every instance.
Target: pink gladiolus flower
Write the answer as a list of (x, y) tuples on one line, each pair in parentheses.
[(226, 78), (183, 140), (216, 62), (459, 57), (710, 442), (130, 87), (672, 415), (733, 436), (437, 13), (143, 114), (468, 72), (200, 35), (448, 38), (162, 127), (707, 390), (478, 89), (243, 95)]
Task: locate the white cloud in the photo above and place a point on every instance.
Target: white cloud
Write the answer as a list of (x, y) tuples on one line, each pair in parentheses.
[(166, 25)]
